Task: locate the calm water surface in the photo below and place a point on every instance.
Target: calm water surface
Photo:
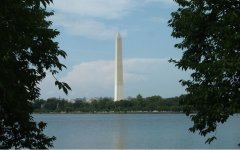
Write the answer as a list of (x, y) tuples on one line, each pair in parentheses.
[(134, 131)]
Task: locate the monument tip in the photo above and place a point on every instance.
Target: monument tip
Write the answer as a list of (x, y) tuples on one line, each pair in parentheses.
[(118, 35)]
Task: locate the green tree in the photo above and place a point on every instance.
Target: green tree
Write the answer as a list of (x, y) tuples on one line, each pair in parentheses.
[(139, 97), (38, 105), (77, 106), (27, 52), (106, 104), (209, 31), (51, 104), (94, 105)]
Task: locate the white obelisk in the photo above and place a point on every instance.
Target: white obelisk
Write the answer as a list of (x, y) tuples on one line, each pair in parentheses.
[(118, 91)]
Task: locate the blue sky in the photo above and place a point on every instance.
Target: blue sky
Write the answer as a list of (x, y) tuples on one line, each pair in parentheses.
[(87, 33)]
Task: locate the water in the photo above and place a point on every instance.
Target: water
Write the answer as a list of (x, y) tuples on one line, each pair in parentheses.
[(134, 131)]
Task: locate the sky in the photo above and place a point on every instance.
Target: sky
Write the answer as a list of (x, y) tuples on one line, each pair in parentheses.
[(87, 34)]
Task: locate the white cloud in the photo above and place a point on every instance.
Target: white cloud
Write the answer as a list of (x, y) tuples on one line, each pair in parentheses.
[(168, 2), (144, 76), (96, 19), (90, 18), (107, 9), (48, 88), (87, 28), (91, 78)]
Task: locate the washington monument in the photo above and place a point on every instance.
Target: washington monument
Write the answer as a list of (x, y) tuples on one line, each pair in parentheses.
[(118, 89)]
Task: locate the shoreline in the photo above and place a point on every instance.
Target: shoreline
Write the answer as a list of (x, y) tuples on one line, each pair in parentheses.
[(111, 112)]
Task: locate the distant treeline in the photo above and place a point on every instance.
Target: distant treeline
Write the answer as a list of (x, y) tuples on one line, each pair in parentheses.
[(101, 105)]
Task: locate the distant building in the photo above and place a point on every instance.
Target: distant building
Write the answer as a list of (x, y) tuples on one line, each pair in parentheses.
[(72, 101)]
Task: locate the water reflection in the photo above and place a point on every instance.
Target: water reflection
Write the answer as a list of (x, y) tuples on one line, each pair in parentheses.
[(120, 131), (133, 131)]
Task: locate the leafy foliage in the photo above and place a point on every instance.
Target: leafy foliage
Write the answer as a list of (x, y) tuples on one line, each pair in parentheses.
[(27, 51), (210, 34)]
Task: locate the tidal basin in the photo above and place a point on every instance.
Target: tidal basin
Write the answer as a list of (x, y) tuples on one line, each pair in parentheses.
[(134, 131)]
